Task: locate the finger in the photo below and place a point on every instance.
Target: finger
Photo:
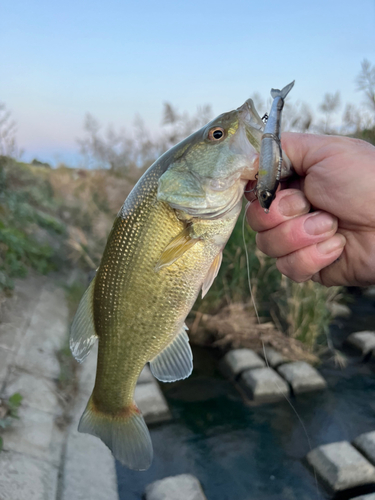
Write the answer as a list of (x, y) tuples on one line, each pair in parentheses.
[(288, 203), (345, 270), (297, 233), (306, 150), (303, 264)]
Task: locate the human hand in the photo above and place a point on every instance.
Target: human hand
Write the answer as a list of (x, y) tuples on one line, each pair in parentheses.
[(334, 244)]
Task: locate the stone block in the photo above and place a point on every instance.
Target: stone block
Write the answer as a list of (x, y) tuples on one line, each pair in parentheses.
[(302, 377), (238, 360), (6, 358), (273, 357), (340, 466), (146, 376), (339, 310), (44, 336), (37, 392), (23, 477), (151, 401), (264, 385), (184, 486), (365, 443), (31, 434), (89, 471), (362, 341), (9, 336)]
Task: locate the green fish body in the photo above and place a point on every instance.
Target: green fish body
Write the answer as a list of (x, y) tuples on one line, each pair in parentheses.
[(164, 248)]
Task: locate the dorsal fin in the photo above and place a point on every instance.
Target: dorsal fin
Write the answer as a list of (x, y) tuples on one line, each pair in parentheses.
[(82, 332), (175, 362)]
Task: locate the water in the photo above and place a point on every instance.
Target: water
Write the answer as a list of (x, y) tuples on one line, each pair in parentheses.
[(255, 453)]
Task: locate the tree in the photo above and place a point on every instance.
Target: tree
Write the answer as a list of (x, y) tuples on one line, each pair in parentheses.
[(8, 142), (366, 82), (329, 107)]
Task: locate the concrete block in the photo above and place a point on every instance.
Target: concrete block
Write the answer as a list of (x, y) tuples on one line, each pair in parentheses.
[(152, 403), (31, 434), (264, 385), (238, 360), (146, 376), (340, 466), (365, 443), (184, 486), (272, 357), (9, 336), (6, 358), (89, 470), (339, 310), (362, 341), (302, 377), (37, 392), (23, 477), (46, 333)]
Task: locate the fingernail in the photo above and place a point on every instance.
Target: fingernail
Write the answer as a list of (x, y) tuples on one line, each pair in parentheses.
[(320, 223), (332, 244), (294, 204)]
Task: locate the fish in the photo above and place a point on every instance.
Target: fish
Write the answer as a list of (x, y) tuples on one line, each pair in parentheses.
[(165, 247), (272, 158)]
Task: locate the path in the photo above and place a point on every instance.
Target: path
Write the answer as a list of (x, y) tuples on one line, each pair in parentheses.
[(41, 460)]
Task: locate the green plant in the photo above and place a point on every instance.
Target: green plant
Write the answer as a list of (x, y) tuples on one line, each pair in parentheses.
[(302, 309), (9, 412)]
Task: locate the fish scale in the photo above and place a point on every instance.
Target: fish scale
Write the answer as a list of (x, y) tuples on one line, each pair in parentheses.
[(165, 246), (137, 259)]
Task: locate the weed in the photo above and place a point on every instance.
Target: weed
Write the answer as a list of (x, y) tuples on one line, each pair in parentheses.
[(9, 412)]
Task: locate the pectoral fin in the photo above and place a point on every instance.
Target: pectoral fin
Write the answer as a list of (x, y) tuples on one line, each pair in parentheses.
[(175, 362), (82, 332), (212, 273), (176, 248)]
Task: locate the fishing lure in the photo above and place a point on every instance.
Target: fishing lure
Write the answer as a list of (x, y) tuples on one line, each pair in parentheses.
[(271, 155)]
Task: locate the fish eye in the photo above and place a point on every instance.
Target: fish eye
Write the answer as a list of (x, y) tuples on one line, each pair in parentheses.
[(215, 134), (265, 195)]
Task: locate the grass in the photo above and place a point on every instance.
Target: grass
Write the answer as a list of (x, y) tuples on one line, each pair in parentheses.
[(26, 208), (299, 310), (9, 412), (59, 218)]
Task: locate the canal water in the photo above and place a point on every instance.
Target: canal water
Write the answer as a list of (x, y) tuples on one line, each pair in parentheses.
[(241, 452)]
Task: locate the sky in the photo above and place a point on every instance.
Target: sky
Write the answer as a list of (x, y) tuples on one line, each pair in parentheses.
[(118, 59)]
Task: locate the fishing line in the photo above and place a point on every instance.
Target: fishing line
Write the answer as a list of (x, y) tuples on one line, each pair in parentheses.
[(264, 348), (247, 262)]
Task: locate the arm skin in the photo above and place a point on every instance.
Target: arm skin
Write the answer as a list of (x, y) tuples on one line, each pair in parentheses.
[(325, 229)]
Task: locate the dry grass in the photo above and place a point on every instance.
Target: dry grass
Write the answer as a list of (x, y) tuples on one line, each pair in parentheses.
[(236, 326)]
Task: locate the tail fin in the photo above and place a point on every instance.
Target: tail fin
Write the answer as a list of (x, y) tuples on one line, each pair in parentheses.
[(126, 435), (282, 93)]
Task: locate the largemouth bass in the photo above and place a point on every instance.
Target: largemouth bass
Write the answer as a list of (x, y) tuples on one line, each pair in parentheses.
[(165, 246), (271, 155)]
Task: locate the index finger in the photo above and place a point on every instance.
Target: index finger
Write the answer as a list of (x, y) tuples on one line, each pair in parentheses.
[(288, 204)]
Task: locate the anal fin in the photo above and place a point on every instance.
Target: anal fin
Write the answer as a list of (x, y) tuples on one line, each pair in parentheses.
[(176, 248), (82, 332), (212, 273), (175, 362)]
